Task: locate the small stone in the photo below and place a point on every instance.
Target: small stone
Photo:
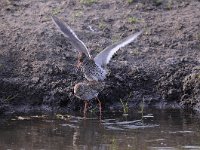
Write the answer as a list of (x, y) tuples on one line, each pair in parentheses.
[(35, 79)]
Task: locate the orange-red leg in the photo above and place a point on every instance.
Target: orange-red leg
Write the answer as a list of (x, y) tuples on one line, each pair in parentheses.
[(85, 108), (99, 105), (78, 65)]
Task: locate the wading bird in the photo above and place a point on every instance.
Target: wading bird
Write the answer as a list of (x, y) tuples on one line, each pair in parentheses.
[(88, 91), (94, 69)]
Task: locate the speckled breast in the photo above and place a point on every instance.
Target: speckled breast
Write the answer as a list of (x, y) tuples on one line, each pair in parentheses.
[(93, 72)]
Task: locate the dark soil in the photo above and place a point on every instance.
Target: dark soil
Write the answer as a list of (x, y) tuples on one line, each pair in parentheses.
[(37, 64)]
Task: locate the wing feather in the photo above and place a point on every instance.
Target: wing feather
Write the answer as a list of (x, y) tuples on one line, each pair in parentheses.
[(71, 36), (104, 57)]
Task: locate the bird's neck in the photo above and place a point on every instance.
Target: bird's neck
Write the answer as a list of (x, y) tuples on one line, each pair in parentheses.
[(84, 59), (87, 61)]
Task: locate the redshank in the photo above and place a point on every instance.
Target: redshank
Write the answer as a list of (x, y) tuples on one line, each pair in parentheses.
[(87, 91)]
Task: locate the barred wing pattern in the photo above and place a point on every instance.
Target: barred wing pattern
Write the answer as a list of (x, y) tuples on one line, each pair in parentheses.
[(71, 36)]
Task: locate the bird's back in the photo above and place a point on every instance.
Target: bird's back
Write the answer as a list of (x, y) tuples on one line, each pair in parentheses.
[(86, 90), (93, 72)]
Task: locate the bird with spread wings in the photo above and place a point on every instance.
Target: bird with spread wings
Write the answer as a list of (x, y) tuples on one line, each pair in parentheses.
[(94, 69)]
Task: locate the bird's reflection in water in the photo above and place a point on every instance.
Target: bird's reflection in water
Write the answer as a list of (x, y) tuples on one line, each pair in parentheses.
[(75, 138), (89, 132), (86, 131), (151, 130)]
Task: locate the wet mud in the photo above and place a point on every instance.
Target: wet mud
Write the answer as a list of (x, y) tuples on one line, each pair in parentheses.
[(37, 64)]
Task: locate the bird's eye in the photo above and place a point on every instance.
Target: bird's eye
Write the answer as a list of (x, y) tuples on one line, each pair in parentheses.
[(81, 59)]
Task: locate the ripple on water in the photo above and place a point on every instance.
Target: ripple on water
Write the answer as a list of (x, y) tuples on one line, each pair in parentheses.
[(190, 147), (163, 148), (122, 125), (151, 130)]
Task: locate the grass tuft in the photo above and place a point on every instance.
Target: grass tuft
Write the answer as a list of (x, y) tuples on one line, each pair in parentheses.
[(133, 20), (56, 11), (158, 2), (169, 4), (130, 1), (102, 25), (78, 14), (125, 106), (88, 2)]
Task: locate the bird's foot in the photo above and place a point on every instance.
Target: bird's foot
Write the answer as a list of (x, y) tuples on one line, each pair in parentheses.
[(78, 65)]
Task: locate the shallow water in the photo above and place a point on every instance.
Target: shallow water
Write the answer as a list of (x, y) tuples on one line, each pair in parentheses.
[(153, 130)]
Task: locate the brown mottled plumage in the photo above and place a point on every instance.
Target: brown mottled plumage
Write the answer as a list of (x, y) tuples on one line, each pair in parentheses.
[(93, 68), (88, 91)]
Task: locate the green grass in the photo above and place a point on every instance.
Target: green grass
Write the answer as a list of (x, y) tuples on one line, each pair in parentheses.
[(93, 110), (11, 97), (129, 1), (125, 106), (133, 20), (78, 14), (198, 76), (102, 25), (169, 4), (115, 38), (88, 2), (113, 144), (158, 2), (62, 117), (135, 52), (198, 36), (56, 11)]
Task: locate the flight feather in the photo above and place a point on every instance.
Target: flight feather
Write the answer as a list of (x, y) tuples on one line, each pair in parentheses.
[(104, 56), (71, 36)]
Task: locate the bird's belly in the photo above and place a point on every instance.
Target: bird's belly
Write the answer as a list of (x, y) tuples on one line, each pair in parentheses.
[(87, 95), (96, 77)]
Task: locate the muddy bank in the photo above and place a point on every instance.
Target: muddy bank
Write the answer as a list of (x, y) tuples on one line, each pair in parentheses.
[(37, 64)]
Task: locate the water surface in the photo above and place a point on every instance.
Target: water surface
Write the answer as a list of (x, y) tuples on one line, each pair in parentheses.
[(152, 129)]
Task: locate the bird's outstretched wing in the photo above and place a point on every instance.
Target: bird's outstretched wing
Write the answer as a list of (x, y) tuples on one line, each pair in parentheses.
[(71, 36), (104, 56)]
